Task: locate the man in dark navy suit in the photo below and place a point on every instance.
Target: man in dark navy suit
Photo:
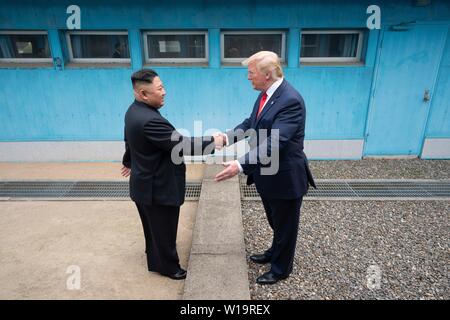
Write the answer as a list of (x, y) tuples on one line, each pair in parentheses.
[(154, 158), (276, 162)]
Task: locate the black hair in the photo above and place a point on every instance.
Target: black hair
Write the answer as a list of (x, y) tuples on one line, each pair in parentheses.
[(144, 75)]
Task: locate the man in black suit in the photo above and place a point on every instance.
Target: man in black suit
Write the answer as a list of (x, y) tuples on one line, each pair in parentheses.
[(276, 162), (153, 158)]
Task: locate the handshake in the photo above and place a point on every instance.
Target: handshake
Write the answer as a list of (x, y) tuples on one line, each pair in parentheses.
[(220, 140)]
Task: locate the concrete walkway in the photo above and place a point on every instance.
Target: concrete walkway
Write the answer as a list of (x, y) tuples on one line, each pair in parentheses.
[(46, 246), (76, 171)]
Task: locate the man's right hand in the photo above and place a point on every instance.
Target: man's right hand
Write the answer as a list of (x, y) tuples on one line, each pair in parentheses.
[(125, 171), (220, 140)]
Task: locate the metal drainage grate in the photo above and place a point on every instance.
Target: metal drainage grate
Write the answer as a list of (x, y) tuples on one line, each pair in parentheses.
[(369, 190), (193, 190), (77, 190)]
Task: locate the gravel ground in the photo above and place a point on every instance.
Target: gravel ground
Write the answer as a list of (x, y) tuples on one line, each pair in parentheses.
[(343, 245), (340, 242), (381, 169)]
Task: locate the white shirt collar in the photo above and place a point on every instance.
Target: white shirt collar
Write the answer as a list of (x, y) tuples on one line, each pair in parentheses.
[(273, 88)]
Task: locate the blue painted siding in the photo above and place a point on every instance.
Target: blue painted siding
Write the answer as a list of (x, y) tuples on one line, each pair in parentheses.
[(439, 119), (109, 14), (408, 66), (80, 103), (77, 107), (336, 100), (44, 104)]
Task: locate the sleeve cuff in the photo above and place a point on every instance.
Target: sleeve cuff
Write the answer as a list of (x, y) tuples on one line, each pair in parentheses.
[(227, 143), (239, 166)]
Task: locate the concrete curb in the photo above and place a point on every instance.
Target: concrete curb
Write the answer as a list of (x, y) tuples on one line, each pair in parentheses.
[(217, 268)]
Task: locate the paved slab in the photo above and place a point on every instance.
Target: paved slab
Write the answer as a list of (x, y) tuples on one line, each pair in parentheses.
[(76, 171), (42, 244), (40, 241)]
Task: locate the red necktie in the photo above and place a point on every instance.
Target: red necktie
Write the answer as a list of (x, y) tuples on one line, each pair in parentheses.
[(261, 104)]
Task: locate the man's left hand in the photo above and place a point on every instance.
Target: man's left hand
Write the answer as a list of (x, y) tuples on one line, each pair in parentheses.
[(125, 171), (231, 169)]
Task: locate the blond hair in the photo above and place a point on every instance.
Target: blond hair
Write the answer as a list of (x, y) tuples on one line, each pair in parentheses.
[(266, 61)]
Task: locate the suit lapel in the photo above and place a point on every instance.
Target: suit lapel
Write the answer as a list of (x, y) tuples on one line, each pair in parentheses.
[(271, 102)]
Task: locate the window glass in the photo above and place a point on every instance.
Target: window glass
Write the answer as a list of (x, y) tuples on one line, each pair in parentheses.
[(244, 45), (330, 45), (176, 46), (24, 46), (99, 46)]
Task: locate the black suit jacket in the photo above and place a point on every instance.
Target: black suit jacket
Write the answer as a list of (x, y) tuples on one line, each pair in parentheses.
[(151, 143)]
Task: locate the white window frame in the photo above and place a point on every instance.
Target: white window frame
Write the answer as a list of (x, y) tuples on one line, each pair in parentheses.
[(96, 60), (28, 60), (149, 60), (356, 59), (242, 32)]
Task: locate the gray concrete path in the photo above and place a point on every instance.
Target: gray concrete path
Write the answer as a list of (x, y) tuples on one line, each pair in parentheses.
[(41, 241), (44, 246), (75, 171)]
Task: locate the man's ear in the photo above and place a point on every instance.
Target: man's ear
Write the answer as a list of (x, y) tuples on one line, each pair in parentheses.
[(142, 93)]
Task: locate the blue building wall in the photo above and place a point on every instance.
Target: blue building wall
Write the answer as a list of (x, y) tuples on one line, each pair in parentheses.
[(439, 118), (88, 103)]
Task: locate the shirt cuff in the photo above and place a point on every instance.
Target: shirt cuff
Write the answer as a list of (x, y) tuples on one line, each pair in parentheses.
[(239, 166), (226, 140)]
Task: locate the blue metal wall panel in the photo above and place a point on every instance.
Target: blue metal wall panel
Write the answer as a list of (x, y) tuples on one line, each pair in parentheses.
[(336, 100), (44, 104), (439, 119), (89, 103), (78, 106), (100, 14), (408, 66)]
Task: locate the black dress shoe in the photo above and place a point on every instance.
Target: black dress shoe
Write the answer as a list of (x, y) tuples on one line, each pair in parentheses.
[(179, 275), (269, 278), (260, 258)]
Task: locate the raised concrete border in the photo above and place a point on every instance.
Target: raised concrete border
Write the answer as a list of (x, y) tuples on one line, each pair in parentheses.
[(436, 149), (47, 151), (88, 151), (106, 151), (334, 149), (218, 268)]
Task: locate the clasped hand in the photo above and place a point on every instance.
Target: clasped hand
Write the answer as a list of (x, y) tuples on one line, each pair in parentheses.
[(220, 140), (231, 168)]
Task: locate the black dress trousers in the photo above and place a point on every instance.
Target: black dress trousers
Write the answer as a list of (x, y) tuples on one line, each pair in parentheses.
[(283, 217), (160, 225)]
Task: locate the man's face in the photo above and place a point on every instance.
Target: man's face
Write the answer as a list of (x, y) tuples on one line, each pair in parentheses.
[(258, 79), (153, 93)]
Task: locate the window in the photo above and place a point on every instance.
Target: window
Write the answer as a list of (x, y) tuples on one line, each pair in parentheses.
[(176, 47), (331, 46), (239, 45), (24, 46), (98, 46)]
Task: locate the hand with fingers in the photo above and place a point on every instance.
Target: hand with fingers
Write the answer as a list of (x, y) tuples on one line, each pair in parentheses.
[(220, 140), (231, 169), (125, 171)]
